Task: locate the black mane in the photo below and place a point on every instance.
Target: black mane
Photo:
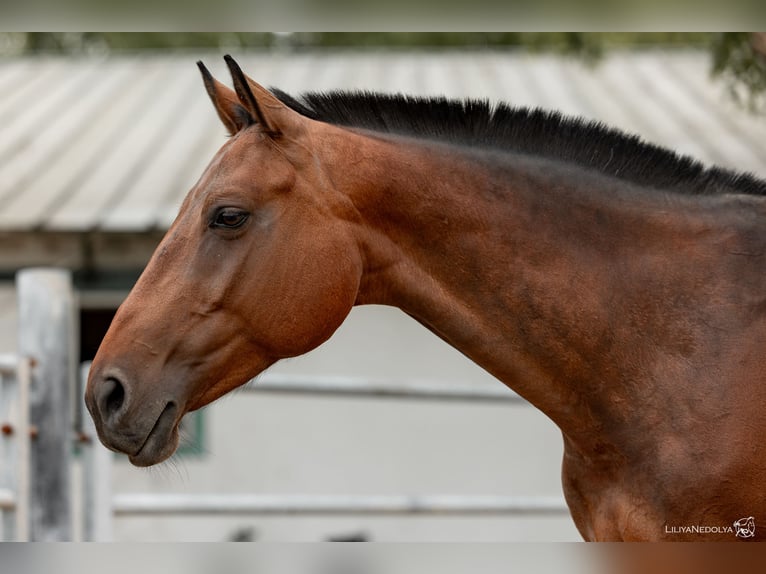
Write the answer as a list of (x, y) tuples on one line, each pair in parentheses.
[(538, 132)]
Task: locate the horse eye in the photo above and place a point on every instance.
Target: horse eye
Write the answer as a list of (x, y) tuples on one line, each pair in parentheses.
[(230, 218)]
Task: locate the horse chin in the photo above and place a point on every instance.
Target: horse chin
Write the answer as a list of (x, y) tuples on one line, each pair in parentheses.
[(160, 443), (155, 452)]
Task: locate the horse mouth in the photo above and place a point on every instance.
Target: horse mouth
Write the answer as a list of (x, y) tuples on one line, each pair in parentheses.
[(162, 440)]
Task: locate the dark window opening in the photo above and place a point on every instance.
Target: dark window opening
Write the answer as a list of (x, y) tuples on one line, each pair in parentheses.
[(93, 326)]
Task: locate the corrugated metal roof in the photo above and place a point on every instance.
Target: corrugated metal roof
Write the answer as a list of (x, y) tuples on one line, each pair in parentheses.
[(115, 144)]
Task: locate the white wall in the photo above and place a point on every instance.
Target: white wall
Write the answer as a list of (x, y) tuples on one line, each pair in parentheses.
[(287, 444)]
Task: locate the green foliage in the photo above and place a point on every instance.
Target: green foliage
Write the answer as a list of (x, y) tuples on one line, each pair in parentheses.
[(585, 44), (740, 59)]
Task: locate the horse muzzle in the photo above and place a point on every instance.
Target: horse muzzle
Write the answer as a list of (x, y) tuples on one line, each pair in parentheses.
[(146, 432)]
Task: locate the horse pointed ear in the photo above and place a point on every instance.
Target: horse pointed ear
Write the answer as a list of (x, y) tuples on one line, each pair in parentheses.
[(232, 113), (274, 117)]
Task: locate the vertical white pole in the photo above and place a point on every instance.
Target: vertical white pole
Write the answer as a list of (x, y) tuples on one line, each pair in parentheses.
[(23, 378), (97, 480), (46, 336), (14, 447)]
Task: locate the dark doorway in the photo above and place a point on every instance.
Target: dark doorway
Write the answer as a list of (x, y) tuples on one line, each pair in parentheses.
[(93, 326)]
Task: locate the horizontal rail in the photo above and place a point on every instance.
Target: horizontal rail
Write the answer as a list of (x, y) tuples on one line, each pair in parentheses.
[(242, 504), (7, 500), (365, 388)]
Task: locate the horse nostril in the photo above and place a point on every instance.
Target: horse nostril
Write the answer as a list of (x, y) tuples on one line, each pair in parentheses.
[(111, 397)]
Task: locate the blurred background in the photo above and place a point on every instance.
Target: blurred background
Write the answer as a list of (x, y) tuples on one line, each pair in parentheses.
[(104, 133), (735, 57)]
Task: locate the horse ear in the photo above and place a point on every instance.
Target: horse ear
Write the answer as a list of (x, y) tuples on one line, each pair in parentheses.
[(232, 113), (274, 117)]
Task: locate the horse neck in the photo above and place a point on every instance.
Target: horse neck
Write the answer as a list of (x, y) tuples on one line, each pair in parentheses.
[(510, 262)]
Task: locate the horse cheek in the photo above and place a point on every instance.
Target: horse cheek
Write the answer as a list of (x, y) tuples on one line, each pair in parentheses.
[(317, 302)]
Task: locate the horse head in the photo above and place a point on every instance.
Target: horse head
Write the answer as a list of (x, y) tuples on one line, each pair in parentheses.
[(260, 264)]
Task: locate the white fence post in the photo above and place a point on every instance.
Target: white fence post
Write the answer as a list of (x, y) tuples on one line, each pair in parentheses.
[(47, 338), (97, 479), (14, 448)]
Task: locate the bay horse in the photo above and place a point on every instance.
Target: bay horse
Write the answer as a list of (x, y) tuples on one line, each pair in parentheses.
[(617, 286)]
